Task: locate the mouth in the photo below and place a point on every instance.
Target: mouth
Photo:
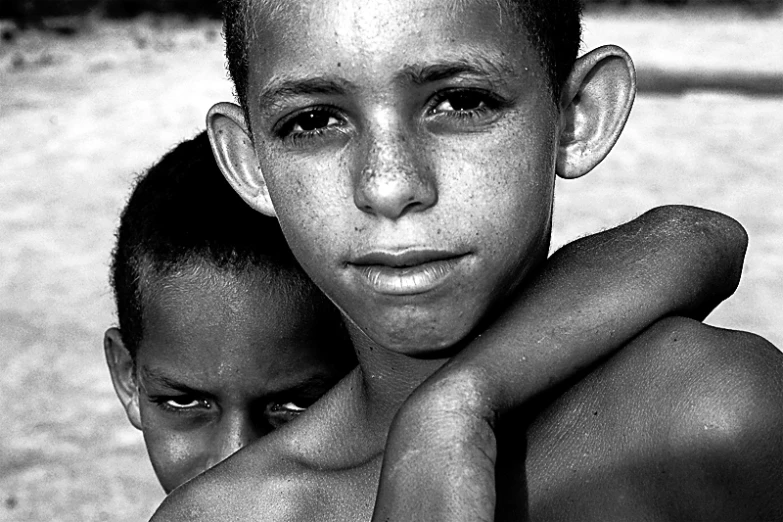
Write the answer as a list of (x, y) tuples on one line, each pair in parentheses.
[(407, 272)]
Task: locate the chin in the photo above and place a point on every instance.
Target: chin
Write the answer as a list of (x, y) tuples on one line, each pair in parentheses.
[(424, 341)]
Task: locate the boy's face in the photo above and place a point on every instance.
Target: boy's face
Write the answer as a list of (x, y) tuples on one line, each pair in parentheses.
[(223, 362), (408, 147)]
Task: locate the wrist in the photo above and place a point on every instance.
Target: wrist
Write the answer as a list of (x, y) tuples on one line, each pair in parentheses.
[(461, 395), (445, 427)]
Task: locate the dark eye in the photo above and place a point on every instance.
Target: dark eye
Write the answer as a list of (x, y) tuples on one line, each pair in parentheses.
[(280, 413), (311, 124), (314, 120), (464, 110), (181, 403), (184, 403), (461, 101)]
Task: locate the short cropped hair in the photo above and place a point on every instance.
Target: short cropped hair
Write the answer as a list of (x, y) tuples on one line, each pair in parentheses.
[(183, 215), (554, 28)]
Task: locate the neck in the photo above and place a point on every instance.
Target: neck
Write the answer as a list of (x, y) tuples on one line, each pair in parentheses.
[(387, 378)]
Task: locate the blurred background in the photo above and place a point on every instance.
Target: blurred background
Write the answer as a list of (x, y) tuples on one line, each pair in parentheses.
[(94, 91)]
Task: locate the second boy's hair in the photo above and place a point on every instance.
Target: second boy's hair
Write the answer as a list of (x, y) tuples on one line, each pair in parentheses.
[(554, 27), (183, 215)]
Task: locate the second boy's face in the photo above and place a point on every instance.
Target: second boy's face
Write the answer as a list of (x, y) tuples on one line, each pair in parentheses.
[(408, 147), (222, 363)]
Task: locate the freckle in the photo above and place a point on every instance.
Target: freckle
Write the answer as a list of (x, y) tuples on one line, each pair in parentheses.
[(339, 64)]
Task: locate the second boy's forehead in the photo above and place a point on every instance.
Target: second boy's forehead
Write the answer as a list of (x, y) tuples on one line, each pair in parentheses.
[(375, 42), (217, 324)]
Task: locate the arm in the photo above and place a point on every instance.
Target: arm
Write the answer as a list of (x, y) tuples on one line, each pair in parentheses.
[(591, 298)]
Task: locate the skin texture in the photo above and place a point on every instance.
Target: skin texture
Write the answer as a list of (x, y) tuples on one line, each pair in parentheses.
[(561, 322), (372, 157), (407, 134), (384, 169), (682, 424), (222, 363)]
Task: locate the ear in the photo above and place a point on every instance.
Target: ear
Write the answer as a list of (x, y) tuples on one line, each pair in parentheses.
[(232, 145), (595, 104), (121, 367)]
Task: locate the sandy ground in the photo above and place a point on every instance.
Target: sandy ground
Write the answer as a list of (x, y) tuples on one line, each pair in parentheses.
[(79, 117)]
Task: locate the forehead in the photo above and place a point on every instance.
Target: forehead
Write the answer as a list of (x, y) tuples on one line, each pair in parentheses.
[(218, 325), (364, 40)]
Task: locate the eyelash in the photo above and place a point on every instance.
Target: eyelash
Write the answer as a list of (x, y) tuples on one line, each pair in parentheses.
[(285, 129), (488, 103), (276, 407), (276, 415), (163, 401), (273, 411)]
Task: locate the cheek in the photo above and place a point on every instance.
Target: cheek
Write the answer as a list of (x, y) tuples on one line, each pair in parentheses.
[(314, 205), (175, 456), (498, 185)]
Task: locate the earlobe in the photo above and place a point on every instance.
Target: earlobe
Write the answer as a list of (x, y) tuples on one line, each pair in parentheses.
[(232, 146), (121, 368), (595, 103)]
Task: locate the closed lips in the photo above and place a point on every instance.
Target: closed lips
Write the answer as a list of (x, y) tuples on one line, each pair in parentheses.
[(408, 273)]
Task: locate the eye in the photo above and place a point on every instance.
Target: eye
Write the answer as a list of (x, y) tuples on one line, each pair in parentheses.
[(314, 120), (310, 124), (279, 413), (181, 404), (461, 102), (464, 109)]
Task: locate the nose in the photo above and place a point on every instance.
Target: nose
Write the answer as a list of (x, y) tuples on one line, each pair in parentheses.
[(393, 180), (236, 432)]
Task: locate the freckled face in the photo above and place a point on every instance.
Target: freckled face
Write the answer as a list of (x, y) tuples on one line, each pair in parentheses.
[(223, 362), (409, 148)]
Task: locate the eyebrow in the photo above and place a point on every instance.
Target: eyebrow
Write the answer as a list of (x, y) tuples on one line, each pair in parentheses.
[(280, 89), (420, 74), (311, 387), (161, 379), (316, 384)]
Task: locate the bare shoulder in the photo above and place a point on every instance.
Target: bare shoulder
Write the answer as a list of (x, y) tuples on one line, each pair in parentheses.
[(685, 422), (723, 383), (247, 486)]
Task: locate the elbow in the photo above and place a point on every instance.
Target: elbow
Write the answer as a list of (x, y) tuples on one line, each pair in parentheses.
[(720, 240)]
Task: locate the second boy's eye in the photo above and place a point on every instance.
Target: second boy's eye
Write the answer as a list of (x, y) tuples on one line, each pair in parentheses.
[(186, 403), (280, 413), (181, 404)]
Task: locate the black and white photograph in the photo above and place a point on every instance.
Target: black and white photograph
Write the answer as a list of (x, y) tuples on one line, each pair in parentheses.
[(391, 260)]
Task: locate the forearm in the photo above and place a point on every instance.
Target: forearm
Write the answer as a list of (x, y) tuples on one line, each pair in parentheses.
[(596, 294), (590, 299)]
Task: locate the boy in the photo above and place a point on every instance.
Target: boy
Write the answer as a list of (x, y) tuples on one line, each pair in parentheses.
[(162, 358), (222, 337), (408, 149)]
